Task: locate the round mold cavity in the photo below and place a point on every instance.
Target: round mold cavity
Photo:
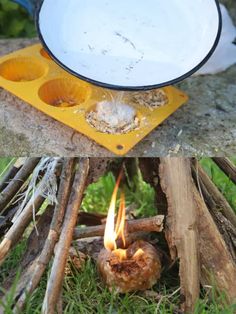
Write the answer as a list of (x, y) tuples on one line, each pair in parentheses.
[(102, 127), (44, 54), (64, 92), (22, 69)]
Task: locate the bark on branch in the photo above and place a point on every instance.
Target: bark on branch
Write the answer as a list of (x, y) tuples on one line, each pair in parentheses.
[(11, 173), (153, 224), (212, 195), (17, 182), (227, 167), (31, 279), (55, 280)]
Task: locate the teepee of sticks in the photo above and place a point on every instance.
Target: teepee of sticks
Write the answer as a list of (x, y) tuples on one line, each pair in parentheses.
[(198, 223)]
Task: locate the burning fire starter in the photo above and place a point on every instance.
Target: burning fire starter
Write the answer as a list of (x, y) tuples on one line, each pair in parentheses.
[(133, 267)]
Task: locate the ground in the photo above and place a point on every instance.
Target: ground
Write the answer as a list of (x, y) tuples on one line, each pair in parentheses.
[(204, 127)]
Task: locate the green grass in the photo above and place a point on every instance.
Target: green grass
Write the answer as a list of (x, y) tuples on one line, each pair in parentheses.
[(83, 291)]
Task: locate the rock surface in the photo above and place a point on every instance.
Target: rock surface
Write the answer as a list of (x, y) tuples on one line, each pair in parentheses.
[(206, 126)]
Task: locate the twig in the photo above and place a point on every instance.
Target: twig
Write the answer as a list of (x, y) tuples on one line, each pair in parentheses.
[(227, 167), (16, 231), (23, 219), (38, 267), (55, 280), (10, 173), (154, 224), (34, 246), (9, 192), (5, 222)]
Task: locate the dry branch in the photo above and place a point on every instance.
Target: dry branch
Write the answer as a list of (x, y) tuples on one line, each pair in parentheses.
[(175, 174), (54, 284), (215, 259), (11, 173), (16, 231), (5, 221), (17, 182), (33, 275), (154, 224), (34, 246), (227, 167), (212, 195)]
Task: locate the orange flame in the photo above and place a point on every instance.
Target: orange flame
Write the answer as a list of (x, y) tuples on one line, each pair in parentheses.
[(120, 223), (112, 232)]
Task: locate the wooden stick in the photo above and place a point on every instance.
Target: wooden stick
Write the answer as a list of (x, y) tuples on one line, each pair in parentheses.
[(5, 222), (22, 220), (11, 173), (16, 231), (212, 194), (175, 175), (154, 224), (34, 246), (227, 167), (225, 226), (55, 280), (32, 277), (217, 266), (9, 192)]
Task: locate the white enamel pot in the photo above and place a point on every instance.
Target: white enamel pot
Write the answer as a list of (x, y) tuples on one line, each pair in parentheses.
[(130, 44)]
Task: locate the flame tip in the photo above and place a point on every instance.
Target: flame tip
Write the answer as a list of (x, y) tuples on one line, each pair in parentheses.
[(114, 231)]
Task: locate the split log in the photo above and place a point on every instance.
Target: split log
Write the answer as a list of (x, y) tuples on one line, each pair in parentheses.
[(217, 266), (175, 174), (212, 195), (31, 278), (17, 182), (55, 280), (227, 167), (11, 173), (152, 224)]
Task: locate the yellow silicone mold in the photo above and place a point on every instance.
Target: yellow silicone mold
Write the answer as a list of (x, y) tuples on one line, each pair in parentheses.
[(32, 75)]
